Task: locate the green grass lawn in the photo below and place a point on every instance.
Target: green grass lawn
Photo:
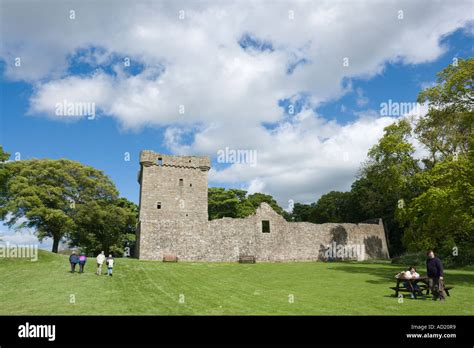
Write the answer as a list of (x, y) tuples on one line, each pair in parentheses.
[(155, 288)]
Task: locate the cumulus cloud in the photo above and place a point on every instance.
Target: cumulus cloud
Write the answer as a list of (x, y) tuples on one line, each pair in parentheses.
[(306, 158), (213, 74)]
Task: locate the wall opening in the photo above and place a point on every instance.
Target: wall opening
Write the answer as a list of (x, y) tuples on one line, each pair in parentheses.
[(265, 226), (158, 205), (190, 185), (181, 182), (159, 161)]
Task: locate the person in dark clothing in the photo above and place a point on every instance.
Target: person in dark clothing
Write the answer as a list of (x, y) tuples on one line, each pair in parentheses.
[(82, 262), (434, 270), (73, 260)]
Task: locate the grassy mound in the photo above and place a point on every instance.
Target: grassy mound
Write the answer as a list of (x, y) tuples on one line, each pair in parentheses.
[(154, 288)]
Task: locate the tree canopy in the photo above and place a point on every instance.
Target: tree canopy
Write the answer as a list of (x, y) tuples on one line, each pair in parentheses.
[(427, 202), (53, 196), (236, 203)]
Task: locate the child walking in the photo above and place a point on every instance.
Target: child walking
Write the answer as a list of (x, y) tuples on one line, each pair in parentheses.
[(110, 264)]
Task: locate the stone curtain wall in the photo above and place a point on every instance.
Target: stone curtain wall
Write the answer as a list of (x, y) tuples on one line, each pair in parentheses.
[(225, 239), (180, 226)]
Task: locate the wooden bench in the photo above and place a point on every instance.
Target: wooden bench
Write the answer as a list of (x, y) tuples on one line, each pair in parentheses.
[(422, 284), (170, 258), (247, 259)]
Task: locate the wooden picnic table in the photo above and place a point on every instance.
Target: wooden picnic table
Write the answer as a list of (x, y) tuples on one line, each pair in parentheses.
[(424, 286)]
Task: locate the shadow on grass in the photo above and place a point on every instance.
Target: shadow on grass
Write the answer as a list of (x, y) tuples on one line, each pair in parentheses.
[(387, 275)]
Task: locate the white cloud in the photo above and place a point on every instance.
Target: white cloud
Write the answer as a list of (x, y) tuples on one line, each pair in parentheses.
[(256, 185), (303, 159), (227, 92)]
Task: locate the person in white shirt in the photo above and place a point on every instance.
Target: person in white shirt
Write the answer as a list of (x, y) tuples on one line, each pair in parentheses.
[(411, 274), (100, 261)]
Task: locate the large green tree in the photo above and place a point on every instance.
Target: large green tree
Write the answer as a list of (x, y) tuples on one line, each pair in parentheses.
[(105, 225), (236, 203), (300, 212), (441, 215), (386, 180), (225, 203), (447, 127), (45, 195), (331, 207)]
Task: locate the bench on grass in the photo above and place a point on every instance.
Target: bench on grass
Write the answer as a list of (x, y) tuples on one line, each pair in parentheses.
[(170, 258), (247, 259), (421, 282)]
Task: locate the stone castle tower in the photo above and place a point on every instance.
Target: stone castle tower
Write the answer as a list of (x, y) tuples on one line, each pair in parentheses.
[(173, 221), (173, 194), (173, 188)]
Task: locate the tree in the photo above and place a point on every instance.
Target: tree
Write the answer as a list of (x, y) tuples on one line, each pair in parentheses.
[(446, 128), (224, 203), (301, 212), (236, 204), (4, 156), (387, 180), (45, 194), (331, 207), (104, 225), (255, 199), (441, 215)]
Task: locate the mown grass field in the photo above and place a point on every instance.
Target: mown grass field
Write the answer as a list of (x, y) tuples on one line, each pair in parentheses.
[(46, 287)]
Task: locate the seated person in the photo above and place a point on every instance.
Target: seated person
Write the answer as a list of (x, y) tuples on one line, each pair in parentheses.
[(410, 274)]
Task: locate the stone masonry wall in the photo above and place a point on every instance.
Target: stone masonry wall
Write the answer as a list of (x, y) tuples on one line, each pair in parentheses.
[(184, 230), (225, 239)]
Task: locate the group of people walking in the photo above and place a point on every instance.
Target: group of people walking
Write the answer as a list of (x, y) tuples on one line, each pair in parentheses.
[(81, 259)]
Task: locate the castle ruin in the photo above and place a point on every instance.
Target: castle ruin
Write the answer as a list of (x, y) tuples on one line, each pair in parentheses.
[(174, 221)]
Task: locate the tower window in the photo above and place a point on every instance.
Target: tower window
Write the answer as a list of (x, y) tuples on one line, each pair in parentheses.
[(190, 185), (265, 226), (159, 161), (158, 205), (180, 182)]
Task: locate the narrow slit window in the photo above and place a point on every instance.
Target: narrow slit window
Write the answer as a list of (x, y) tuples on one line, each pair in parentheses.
[(158, 205), (181, 182), (159, 161), (265, 226)]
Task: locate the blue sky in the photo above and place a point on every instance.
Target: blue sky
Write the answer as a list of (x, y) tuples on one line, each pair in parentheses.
[(102, 143), (236, 84)]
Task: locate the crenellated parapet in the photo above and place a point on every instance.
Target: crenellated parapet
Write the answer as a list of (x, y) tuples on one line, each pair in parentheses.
[(150, 158)]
